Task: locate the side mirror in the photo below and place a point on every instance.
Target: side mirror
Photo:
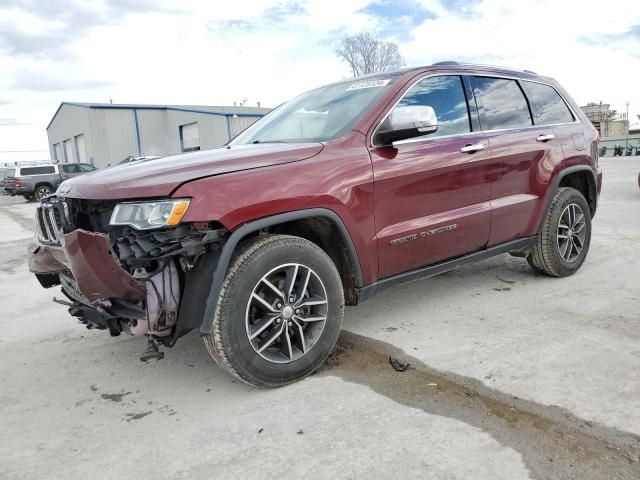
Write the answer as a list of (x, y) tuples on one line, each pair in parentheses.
[(408, 121)]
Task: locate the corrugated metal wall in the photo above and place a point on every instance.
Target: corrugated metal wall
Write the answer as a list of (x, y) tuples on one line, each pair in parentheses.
[(69, 122), (110, 134)]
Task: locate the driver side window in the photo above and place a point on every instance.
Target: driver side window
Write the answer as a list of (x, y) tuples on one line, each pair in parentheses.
[(445, 94)]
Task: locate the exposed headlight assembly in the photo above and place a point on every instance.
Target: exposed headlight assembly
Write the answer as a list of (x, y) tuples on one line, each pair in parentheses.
[(148, 215)]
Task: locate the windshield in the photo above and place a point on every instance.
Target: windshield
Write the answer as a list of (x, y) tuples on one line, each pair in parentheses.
[(321, 115)]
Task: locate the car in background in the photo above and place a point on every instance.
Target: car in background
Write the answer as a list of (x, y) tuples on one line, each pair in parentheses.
[(39, 181), (3, 173)]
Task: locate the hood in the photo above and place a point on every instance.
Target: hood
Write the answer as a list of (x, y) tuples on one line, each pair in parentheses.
[(160, 177)]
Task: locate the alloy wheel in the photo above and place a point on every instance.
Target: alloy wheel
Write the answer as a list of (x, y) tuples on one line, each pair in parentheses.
[(286, 313), (572, 232)]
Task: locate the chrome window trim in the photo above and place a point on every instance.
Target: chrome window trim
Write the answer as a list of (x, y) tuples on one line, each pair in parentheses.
[(461, 74)]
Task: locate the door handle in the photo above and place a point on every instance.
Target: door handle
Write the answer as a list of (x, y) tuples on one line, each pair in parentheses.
[(472, 148), (545, 138)]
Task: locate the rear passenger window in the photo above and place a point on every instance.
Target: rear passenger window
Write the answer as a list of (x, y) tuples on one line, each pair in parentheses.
[(446, 95), (70, 168), (547, 105), (37, 170), (501, 103)]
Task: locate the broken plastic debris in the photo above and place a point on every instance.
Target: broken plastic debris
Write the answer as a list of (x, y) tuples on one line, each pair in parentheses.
[(397, 365)]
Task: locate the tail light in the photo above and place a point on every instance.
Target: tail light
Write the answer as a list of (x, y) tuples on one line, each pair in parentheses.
[(17, 182)]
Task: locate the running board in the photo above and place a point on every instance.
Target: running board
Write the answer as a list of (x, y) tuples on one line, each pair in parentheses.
[(368, 291)]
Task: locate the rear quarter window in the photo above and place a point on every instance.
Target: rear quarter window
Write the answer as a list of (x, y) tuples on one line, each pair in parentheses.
[(547, 105), (37, 170), (501, 103)]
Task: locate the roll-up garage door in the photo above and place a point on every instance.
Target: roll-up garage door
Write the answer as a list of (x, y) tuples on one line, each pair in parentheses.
[(68, 151), (80, 151)]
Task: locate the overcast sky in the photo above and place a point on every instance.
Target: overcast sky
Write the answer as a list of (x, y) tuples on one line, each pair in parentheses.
[(217, 52)]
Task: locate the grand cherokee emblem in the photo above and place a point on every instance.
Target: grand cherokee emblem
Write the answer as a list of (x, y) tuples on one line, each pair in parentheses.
[(426, 233)]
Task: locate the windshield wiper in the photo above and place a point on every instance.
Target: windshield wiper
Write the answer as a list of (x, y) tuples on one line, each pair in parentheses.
[(269, 141)]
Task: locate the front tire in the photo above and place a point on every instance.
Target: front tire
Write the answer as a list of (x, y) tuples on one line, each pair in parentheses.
[(42, 191), (563, 241), (279, 313)]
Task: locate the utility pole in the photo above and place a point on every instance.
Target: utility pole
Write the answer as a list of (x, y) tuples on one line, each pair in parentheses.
[(626, 132)]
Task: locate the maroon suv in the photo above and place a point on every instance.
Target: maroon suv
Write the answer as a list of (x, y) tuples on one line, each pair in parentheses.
[(339, 193)]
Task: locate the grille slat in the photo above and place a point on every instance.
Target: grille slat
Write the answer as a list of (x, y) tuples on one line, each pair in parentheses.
[(49, 221)]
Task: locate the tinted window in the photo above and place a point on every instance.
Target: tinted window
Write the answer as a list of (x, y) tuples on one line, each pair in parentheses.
[(86, 167), (37, 170), (547, 105), (501, 103), (70, 168), (446, 96)]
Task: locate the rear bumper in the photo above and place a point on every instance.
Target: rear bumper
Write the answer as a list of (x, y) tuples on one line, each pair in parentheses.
[(598, 181)]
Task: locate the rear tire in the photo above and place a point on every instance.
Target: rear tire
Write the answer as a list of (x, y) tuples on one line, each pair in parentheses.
[(28, 197), (563, 241), (269, 330)]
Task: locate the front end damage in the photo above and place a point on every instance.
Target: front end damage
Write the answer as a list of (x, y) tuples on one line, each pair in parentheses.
[(144, 282)]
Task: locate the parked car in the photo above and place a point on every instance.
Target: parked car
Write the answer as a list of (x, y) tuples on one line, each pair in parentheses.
[(331, 198), (3, 174), (39, 181)]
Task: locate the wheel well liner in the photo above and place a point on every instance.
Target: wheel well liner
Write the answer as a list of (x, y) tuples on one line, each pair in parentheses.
[(580, 177), (281, 221), (584, 181)]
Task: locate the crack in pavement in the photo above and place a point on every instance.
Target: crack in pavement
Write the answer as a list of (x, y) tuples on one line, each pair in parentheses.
[(553, 443)]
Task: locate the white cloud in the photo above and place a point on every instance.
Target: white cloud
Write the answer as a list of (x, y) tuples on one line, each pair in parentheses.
[(203, 52)]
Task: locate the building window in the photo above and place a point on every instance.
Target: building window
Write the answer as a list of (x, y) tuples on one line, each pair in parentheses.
[(189, 137), (68, 151), (81, 155)]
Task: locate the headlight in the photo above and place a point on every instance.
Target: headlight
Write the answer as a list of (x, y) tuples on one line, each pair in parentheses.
[(147, 215)]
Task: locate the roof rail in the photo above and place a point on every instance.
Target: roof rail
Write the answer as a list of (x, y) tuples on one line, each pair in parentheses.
[(451, 62)]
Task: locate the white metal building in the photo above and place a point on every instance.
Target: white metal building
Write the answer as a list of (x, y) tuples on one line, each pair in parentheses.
[(105, 134)]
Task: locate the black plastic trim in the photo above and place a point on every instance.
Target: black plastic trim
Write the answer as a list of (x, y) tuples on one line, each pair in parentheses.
[(369, 291), (248, 228), (593, 186)]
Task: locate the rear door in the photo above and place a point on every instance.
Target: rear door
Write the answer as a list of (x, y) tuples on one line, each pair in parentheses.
[(521, 152), (432, 192)]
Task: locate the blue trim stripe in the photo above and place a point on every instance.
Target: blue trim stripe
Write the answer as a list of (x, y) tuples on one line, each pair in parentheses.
[(229, 128), (135, 119), (155, 107)]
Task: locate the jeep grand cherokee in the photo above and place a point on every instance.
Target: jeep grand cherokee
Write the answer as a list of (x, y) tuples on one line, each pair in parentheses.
[(332, 197)]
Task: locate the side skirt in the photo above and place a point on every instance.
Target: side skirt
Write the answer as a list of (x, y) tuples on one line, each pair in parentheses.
[(368, 291)]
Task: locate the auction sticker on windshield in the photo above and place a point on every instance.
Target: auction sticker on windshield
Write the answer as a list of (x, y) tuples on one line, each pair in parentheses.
[(368, 84)]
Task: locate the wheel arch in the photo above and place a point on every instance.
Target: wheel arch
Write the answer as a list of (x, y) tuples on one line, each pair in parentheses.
[(583, 180), (303, 223)]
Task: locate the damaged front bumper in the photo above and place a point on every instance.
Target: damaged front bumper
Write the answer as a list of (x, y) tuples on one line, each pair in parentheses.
[(142, 282)]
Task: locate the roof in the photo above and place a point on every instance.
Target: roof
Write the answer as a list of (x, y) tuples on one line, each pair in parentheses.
[(205, 109)]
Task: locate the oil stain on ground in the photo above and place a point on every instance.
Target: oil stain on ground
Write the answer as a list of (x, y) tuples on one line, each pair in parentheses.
[(553, 443)]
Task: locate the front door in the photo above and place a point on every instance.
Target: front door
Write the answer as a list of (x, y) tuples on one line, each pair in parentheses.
[(432, 193)]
